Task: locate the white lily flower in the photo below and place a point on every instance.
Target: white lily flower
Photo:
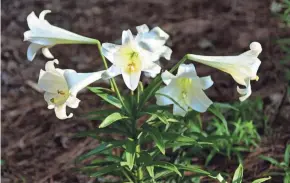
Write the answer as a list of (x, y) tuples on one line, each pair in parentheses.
[(43, 35), (186, 88), (243, 68), (61, 87), (136, 54)]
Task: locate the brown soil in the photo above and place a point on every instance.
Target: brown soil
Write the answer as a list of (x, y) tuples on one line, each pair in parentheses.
[(38, 148)]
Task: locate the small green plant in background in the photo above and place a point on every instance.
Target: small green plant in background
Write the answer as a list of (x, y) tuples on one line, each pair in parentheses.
[(282, 166), (238, 177), (283, 11)]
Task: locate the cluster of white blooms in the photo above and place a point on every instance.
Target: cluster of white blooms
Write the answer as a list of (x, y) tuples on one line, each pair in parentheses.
[(137, 53)]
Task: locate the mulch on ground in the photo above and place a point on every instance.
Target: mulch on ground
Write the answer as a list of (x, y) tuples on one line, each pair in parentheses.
[(38, 148)]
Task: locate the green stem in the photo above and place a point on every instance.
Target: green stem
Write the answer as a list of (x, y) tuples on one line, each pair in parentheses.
[(139, 170), (127, 176), (112, 80)]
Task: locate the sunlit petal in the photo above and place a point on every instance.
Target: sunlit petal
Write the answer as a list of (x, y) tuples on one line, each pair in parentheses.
[(131, 79), (60, 112), (32, 50), (109, 49), (46, 53), (72, 102), (241, 67)]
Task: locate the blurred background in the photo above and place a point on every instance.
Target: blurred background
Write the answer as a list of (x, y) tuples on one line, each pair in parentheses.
[(38, 148)]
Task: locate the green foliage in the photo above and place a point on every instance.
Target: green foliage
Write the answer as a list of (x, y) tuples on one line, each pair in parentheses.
[(283, 165), (238, 177), (154, 145)]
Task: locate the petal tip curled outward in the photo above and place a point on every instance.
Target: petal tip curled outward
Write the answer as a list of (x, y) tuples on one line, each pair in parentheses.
[(43, 13), (256, 47)]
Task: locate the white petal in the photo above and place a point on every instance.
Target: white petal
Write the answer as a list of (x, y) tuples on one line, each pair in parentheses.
[(152, 40), (109, 50), (42, 72), (32, 21), (60, 112), (51, 106), (162, 100), (142, 28), (199, 101), (52, 82), (46, 53), (43, 13), (206, 82), (48, 96), (131, 80), (165, 52), (32, 50), (186, 70), (78, 81), (246, 92), (152, 69), (160, 33), (179, 111), (167, 77), (27, 35), (72, 102), (49, 66), (127, 37), (111, 72)]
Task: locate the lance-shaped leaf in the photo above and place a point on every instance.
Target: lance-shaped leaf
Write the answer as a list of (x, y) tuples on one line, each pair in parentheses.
[(102, 147), (105, 96), (238, 176), (261, 180), (156, 136), (130, 153), (166, 165), (111, 119), (106, 170)]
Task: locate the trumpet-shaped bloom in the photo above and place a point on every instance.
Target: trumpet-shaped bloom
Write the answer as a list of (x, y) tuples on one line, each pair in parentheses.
[(43, 35), (243, 68), (136, 54), (62, 86), (186, 88)]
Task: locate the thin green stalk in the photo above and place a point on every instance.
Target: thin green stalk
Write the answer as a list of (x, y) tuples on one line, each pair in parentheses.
[(127, 176), (112, 80), (139, 170)]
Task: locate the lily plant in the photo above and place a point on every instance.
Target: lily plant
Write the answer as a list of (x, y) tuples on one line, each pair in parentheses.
[(135, 115)]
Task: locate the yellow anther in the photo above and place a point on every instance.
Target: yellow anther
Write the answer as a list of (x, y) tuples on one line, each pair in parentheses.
[(60, 92), (131, 67), (257, 78)]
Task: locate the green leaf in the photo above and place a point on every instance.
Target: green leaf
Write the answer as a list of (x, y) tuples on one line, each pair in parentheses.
[(162, 117), (194, 169), (225, 106), (271, 160), (100, 114), (108, 98), (154, 108), (111, 119), (287, 155), (96, 132), (150, 170), (220, 178), (238, 176), (102, 147), (218, 114), (130, 153), (106, 170), (174, 101), (261, 180), (156, 136), (166, 165)]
